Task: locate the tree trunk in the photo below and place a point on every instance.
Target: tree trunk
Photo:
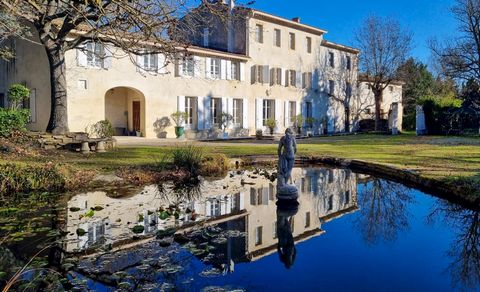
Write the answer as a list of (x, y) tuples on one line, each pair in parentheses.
[(378, 94), (58, 123)]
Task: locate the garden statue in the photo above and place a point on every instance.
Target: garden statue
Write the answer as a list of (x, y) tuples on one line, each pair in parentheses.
[(287, 148), (287, 252)]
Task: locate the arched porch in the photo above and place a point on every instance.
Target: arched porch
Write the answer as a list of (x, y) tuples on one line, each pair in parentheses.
[(125, 109)]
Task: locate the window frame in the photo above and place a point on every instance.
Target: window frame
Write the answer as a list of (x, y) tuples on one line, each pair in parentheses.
[(291, 40), (188, 66), (237, 112), (235, 70), (331, 87), (349, 63), (147, 62), (309, 44), (259, 33), (331, 59), (268, 110), (215, 68), (277, 38), (95, 59)]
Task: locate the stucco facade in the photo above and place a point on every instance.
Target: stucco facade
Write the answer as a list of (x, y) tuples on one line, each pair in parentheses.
[(266, 67)]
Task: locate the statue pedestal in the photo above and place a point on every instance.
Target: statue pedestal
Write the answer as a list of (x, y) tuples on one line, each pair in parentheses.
[(287, 192)]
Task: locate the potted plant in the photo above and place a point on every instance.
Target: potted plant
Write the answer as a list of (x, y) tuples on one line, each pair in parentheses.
[(309, 124), (179, 119), (271, 124), (299, 119)]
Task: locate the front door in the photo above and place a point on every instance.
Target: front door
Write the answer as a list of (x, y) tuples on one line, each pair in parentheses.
[(136, 115)]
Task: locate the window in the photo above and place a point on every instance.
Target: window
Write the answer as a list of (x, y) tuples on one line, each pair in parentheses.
[(2, 100), (309, 44), (258, 74), (274, 230), (330, 203), (349, 63), (95, 54), (277, 37), (214, 208), (258, 235), (331, 59), (291, 41), (307, 80), (238, 112), (390, 88), (216, 111), (82, 84), (348, 90), (188, 68), (293, 111), (331, 87), (347, 197), (276, 76), (215, 68), (259, 33), (307, 220), (292, 78), (235, 71), (268, 110), (150, 62), (191, 110)]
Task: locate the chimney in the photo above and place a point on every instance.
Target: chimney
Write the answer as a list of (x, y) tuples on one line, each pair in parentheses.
[(296, 19)]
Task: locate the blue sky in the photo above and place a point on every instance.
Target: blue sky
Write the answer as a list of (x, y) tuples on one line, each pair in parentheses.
[(425, 19)]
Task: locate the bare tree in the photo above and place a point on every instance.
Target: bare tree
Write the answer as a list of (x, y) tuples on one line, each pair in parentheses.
[(133, 27), (459, 58), (384, 46), (9, 27)]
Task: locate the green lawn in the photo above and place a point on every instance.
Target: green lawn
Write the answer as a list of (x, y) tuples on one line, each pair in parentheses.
[(436, 157)]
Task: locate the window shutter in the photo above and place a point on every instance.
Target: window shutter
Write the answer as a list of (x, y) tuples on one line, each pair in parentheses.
[(81, 56), (197, 65), (298, 81), (266, 74), (207, 68), (228, 70), (304, 111), (200, 113), (315, 79), (208, 208), (242, 71), (224, 104), (253, 73), (107, 61), (272, 76), (207, 112), (259, 114), (223, 69), (278, 113), (298, 107), (286, 76), (287, 114), (245, 113), (181, 103), (230, 110), (161, 63)]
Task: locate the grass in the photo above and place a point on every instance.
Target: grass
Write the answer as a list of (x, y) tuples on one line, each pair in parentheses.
[(444, 158)]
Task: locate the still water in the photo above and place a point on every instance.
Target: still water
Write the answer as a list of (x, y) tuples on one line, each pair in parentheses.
[(349, 232)]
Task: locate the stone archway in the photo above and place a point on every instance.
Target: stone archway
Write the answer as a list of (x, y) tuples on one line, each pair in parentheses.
[(125, 109)]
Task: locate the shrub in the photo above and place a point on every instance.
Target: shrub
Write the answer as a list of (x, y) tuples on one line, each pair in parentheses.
[(13, 120), (188, 157), (102, 129), (16, 178), (17, 93), (215, 165), (259, 134), (179, 118)]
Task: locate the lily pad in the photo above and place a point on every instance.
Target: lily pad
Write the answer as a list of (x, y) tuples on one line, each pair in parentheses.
[(138, 229)]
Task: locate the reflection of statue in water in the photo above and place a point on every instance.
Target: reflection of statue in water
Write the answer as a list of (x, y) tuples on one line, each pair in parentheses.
[(286, 245), (287, 147)]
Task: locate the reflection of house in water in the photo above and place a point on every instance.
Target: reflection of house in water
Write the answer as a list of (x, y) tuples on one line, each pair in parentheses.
[(244, 203)]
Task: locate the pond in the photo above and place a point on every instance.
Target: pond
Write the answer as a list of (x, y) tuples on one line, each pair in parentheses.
[(349, 232)]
